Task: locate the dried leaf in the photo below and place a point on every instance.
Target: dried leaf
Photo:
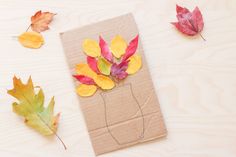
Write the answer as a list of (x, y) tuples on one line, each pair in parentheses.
[(84, 69), (91, 48), (106, 53), (84, 79), (104, 66), (104, 82), (40, 21), (131, 49), (31, 40), (118, 46), (135, 63), (119, 70), (189, 23), (86, 90), (92, 62), (31, 107)]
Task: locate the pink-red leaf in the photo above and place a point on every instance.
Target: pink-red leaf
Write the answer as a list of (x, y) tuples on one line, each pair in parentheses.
[(92, 62), (106, 53), (189, 23), (119, 70), (131, 49), (84, 79)]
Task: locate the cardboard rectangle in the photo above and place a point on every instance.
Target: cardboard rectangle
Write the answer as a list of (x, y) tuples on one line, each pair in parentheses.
[(129, 113)]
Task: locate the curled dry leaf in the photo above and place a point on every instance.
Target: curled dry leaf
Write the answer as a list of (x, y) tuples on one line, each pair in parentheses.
[(84, 79), (189, 23), (40, 21), (118, 46), (131, 49), (104, 66), (104, 82), (30, 105), (135, 63), (91, 48), (86, 90), (106, 53), (31, 40), (84, 69)]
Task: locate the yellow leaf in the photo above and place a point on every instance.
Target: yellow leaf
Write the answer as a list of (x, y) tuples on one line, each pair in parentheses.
[(104, 66), (84, 69), (104, 82), (86, 90), (118, 46), (31, 106), (31, 40), (91, 48), (135, 64)]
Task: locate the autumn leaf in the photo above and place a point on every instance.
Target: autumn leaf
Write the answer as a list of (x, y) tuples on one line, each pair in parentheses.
[(131, 49), (91, 48), (30, 105), (84, 79), (135, 63), (119, 70), (189, 23), (118, 46), (84, 69), (86, 90), (104, 82), (104, 66), (105, 51), (92, 62), (31, 40), (40, 21)]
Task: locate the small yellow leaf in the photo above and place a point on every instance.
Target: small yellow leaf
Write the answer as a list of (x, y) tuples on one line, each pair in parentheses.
[(86, 90), (104, 82), (135, 64), (91, 48), (84, 69), (31, 40), (118, 46)]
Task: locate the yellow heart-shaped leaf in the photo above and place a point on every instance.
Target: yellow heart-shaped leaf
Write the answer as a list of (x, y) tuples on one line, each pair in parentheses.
[(91, 48), (135, 63), (86, 90), (104, 82), (118, 46), (31, 40)]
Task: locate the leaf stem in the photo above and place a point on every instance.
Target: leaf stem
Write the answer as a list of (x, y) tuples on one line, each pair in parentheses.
[(28, 28), (202, 37)]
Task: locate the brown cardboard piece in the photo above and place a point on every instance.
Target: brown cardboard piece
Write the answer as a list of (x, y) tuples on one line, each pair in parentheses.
[(129, 113)]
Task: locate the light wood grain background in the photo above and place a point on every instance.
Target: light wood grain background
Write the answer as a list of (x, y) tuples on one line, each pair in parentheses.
[(195, 80)]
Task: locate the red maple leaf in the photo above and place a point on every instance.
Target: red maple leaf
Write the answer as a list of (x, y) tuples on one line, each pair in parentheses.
[(189, 23)]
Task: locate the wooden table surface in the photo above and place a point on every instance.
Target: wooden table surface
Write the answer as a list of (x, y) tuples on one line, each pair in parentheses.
[(195, 80)]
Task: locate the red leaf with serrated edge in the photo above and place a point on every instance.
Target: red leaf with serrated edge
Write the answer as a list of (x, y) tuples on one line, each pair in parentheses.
[(92, 62), (119, 70), (189, 23), (131, 49), (84, 79), (105, 51)]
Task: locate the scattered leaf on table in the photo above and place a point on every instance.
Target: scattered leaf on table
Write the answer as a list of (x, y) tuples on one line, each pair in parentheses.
[(84, 69), (86, 90), (104, 82), (31, 39), (135, 63), (91, 48), (40, 21), (105, 51), (30, 105), (118, 46), (131, 49), (92, 62), (189, 23), (104, 66), (119, 70), (84, 79)]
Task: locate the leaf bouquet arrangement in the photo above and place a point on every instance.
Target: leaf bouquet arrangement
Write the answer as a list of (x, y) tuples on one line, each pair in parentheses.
[(106, 65)]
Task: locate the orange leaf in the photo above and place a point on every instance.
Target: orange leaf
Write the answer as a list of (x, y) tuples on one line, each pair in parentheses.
[(40, 21), (31, 39)]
